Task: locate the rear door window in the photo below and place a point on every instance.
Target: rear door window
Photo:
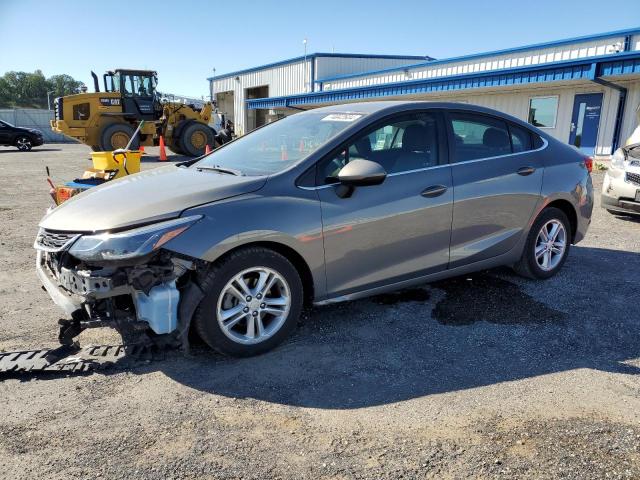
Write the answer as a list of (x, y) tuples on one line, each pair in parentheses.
[(520, 138), (478, 136)]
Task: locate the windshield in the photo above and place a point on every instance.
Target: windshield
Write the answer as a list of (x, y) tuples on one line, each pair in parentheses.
[(276, 147)]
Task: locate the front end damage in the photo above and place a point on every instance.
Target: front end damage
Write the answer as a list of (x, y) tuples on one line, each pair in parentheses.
[(149, 291)]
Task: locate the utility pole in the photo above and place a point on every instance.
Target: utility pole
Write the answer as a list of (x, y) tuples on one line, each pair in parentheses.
[(211, 86), (48, 100)]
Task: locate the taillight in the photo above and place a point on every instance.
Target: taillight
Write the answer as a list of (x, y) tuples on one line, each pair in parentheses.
[(588, 163)]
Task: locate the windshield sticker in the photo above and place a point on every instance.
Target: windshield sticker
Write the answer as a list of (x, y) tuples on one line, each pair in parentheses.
[(342, 117)]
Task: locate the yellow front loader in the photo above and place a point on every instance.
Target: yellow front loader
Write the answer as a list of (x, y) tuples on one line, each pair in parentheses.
[(107, 120)]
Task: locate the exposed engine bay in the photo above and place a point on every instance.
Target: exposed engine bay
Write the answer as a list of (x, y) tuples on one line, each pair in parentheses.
[(141, 294)]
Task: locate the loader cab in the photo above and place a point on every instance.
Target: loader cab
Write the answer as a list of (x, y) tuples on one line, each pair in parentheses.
[(138, 92)]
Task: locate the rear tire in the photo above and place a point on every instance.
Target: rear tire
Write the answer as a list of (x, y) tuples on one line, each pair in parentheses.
[(194, 138), (116, 136), (547, 245), (24, 143), (258, 318)]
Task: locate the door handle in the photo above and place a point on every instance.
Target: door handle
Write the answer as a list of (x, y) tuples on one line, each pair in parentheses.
[(434, 191), (524, 171)]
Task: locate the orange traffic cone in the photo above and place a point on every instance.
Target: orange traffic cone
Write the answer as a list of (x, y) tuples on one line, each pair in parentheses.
[(163, 152), (207, 149)]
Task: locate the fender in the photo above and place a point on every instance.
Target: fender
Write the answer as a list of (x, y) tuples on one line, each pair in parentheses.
[(224, 227)]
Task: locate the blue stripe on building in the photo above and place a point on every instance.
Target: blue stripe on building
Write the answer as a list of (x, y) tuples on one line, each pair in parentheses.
[(625, 63)]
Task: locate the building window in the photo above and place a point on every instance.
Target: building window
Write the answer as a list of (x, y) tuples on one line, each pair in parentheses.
[(543, 111)]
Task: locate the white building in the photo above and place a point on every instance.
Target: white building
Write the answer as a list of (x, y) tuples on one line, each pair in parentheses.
[(584, 91), (299, 75)]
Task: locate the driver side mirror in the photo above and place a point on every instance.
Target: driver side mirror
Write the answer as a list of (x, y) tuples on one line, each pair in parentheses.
[(359, 173)]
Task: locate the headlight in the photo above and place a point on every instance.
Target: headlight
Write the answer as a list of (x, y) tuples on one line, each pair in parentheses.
[(618, 158), (131, 243)]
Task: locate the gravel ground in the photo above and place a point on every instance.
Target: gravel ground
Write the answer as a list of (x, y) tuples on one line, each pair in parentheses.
[(484, 376)]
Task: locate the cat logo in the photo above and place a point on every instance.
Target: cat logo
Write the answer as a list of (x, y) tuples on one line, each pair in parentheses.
[(110, 102)]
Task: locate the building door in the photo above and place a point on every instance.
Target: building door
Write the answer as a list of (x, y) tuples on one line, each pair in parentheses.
[(585, 121), (256, 118)]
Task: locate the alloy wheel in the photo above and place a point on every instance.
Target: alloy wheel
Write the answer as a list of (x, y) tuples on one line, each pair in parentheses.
[(551, 245), (23, 144), (253, 305)]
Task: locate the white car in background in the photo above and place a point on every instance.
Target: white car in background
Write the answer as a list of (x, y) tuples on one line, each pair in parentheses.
[(621, 186)]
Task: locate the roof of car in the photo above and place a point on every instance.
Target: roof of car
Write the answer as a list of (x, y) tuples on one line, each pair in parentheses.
[(371, 107), (396, 106)]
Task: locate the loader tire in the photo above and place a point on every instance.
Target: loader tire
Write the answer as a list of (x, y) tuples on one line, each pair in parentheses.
[(194, 139), (176, 149), (117, 135)]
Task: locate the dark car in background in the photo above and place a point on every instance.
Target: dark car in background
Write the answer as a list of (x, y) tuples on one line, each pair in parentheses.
[(324, 206), (24, 139)]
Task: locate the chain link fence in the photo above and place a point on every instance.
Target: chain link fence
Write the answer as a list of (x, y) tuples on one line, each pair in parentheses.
[(34, 118)]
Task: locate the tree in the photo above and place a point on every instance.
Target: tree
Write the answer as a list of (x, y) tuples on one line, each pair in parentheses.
[(29, 90), (64, 85)]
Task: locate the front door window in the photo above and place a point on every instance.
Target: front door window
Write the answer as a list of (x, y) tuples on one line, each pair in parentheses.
[(409, 142)]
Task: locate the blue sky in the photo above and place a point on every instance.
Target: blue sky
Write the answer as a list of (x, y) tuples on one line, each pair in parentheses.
[(185, 40)]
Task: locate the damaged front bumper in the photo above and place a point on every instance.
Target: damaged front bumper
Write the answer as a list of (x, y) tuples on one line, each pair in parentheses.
[(144, 294)]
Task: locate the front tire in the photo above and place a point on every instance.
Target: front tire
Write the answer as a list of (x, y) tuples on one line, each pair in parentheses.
[(116, 136), (23, 143), (253, 299), (547, 245)]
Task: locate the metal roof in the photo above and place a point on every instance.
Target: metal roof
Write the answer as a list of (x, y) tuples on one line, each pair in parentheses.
[(588, 68), (534, 46), (311, 56)]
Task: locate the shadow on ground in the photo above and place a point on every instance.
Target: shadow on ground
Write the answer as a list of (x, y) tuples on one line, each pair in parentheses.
[(457, 334), (462, 333), (35, 150)]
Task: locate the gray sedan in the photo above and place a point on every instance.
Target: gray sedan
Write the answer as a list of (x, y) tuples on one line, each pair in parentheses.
[(324, 206)]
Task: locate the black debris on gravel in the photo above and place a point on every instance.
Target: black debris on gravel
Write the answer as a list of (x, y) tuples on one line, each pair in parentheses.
[(483, 297), (408, 295)]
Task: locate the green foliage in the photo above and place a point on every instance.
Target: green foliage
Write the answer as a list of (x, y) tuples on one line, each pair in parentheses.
[(29, 90)]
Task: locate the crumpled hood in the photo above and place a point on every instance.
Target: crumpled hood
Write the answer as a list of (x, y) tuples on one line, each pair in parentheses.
[(154, 195)]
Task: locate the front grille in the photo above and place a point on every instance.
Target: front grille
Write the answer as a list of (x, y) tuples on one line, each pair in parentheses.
[(633, 178), (54, 241)]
